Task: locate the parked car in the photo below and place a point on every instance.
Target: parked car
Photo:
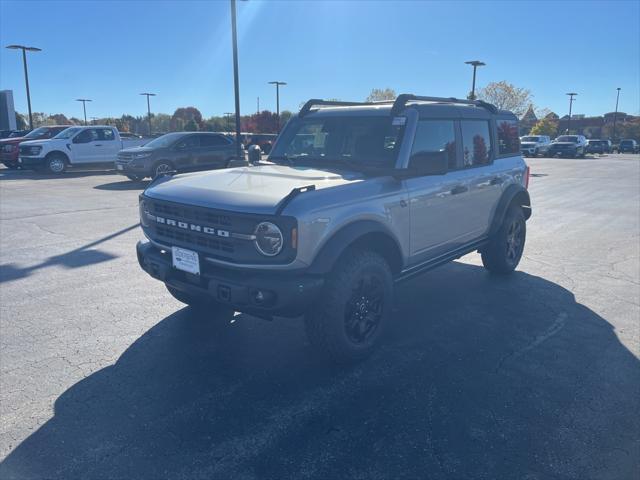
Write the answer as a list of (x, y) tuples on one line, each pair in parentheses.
[(178, 151), (18, 133), (568, 146), (128, 135), (628, 146), (598, 146), (532, 145), (385, 192), (91, 146), (10, 147), (5, 133)]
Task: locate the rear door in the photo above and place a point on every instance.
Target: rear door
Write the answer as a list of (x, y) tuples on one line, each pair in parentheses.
[(214, 150), (108, 144)]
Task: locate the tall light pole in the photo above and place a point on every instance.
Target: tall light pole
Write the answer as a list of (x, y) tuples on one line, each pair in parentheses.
[(84, 107), (26, 74), (615, 115), (475, 64), (277, 84), (228, 115), (236, 81), (149, 108), (571, 100)]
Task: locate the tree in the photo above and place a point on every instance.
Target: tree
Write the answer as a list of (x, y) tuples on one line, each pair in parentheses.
[(378, 94), (182, 116), (21, 123), (545, 126), (285, 115), (191, 126), (59, 119), (506, 97)]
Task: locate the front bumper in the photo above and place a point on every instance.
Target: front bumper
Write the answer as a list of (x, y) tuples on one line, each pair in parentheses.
[(31, 162), (285, 294), (10, 159), (528, 150), (131, 168)]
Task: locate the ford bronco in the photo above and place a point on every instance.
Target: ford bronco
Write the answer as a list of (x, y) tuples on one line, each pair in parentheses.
[(355, 198)]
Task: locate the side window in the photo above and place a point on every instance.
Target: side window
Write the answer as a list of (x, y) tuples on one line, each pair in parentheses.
[(436, 136), (213, 141), (508, 140), (476, 142), (189, 142), (106, 134), (86, 136)]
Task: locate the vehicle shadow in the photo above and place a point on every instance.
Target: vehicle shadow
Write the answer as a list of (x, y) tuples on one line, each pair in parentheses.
[(7, 174), (124, 185), (481, 378), (78, 257)]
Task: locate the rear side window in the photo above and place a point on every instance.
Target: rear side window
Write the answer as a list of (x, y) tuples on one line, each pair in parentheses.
[(436, 136), (476, 142), (508, 140), (213, 141), (106, 134)]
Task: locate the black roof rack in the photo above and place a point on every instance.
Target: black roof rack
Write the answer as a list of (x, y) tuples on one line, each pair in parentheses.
[(398, 104), (404, 98)]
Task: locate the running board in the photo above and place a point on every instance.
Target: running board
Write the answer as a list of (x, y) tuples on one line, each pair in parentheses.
[(438, 261)]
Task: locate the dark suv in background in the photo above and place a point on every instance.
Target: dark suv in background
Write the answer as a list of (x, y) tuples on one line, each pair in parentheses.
[(628, 146), (179, 152), (10, 147)]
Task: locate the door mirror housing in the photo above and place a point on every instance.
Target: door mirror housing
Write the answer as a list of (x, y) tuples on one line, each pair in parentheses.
[(427, 163)]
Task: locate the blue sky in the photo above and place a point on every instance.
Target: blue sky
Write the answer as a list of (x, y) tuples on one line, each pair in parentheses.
[(110, 51)]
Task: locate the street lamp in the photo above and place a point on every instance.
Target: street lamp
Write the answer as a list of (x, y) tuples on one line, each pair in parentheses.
[(228, 116), (149, 108), (26, 75), (84, 107), (571, 100), (277, 84), (475, 64), (615, 115)]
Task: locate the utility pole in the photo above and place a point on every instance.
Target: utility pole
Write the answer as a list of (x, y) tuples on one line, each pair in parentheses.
[(236, 81), (228, 116), (277, 84), (615, 115), (84, 107), (149, 108), (475, 64), (571, 100), (26, 74)]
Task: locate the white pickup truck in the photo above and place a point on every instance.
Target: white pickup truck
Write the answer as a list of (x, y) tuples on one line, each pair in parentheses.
[(91, 146)]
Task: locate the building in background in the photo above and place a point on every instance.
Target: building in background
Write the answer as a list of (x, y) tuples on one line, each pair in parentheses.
[(7, 111)]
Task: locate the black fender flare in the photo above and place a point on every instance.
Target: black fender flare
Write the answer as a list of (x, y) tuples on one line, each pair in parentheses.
[(337, 244), (517, 194)]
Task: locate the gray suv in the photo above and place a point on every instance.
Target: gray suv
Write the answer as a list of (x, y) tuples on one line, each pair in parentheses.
[(177, 152), (355, 198)]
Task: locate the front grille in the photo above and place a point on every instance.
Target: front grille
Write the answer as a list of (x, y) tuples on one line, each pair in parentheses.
[(195, 239), (192, 214)]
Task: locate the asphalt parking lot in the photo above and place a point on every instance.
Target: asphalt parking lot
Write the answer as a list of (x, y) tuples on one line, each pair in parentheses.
[(104, 375)]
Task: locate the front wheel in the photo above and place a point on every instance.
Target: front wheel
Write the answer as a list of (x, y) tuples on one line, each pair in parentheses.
[(349, 318), (56, 164), (504, 250), (161, 168)]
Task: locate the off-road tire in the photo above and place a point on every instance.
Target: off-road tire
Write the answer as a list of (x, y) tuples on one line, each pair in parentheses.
[(331, 324), (56, 163), (500, 255)]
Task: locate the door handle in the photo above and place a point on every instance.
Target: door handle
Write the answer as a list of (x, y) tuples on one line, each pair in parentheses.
[(98, 145), (496, 181), (459, 189)]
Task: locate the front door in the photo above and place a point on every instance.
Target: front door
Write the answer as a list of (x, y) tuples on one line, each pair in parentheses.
[(85, 147), (186, 152)]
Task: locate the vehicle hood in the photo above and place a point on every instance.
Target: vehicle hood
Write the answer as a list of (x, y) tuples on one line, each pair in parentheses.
[(528, 144), (11, 141), (30, 143), (256, 189)]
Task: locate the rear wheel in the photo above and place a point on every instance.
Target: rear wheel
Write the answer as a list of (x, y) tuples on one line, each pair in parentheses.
[(56, 163), (505, 248), (349, 319)]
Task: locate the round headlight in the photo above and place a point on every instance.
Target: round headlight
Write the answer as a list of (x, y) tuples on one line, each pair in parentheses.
[(269, 240)]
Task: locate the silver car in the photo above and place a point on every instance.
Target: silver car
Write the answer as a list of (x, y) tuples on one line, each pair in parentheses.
[(532, 145), (355, 199)]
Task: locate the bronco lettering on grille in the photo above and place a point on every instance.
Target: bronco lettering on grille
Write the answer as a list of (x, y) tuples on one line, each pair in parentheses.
[(189, 226)]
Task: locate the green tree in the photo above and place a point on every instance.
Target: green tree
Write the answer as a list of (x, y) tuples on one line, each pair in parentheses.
[(191, 126), (285, 115), (506, 96), (545, 126), (380, 94)]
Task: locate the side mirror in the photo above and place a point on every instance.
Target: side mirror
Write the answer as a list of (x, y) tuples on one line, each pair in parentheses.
[(428, 163)]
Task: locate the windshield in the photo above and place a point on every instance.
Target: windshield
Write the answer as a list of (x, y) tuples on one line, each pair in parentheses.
[(530, 139), (567, 138), (38, 132), (68, 133), (164, 140), (367, 141)]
